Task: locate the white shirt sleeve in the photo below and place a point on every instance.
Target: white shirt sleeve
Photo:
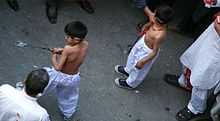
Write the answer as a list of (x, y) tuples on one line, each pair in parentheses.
[(45, 118)]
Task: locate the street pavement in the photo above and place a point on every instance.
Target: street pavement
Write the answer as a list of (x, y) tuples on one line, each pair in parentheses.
[(110, 30)]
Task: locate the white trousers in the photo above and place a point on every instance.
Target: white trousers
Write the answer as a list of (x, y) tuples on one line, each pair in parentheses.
[(138, 52), (67, 90), (197, 102)]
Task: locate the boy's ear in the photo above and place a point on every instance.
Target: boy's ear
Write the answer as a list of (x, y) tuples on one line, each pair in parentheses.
[(77, 40)]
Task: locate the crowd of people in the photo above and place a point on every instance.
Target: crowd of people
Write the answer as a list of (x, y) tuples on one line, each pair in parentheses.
[(51, 8), (200, 71)]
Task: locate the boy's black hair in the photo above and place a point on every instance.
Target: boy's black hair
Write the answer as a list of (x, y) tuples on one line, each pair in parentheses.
[(164, 13), (76, 29), (36, 81)]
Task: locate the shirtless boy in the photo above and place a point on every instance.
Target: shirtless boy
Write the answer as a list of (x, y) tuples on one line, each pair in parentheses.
[(65, 72), (146, 50)]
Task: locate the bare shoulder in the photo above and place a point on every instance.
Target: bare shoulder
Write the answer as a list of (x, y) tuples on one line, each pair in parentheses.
[(85, 43), (159, 38), (70, 49), (67, 47)]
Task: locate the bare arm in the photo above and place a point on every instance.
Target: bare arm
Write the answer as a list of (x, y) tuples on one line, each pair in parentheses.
[(58, 65), (149, 14), (156, 47)]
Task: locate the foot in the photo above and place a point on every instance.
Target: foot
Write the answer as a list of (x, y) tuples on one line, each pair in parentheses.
[(122, 83), (13, 4), (84, 4), (66, 119), (51, 12), (120, 70), (173, 80), (185, 115)]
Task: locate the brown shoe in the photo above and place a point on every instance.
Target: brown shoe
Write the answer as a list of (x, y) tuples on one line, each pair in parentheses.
[(51, 11), (84, 4), (13, 4)]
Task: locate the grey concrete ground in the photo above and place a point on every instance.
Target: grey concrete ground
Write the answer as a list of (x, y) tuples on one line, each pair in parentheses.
[(111, 29)]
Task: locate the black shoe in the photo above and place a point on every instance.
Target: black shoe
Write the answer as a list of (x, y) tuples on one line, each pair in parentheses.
[(51, 12), (84, 4), (13, 4), (66, 119), (120, 70), (122, 83), (185, 115)]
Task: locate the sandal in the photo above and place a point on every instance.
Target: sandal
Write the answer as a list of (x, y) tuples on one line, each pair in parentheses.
[(173, 80), (185, 115)]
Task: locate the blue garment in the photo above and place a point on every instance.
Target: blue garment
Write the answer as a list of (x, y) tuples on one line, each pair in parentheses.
[(141, 3)]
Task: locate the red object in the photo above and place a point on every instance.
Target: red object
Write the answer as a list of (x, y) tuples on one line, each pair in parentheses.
[(187, 76), (143, 32), (218, 19), (210, 2)]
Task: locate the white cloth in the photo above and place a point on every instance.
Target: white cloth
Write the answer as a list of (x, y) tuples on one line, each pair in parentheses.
[(197, 103), (67, 90), (16, 105), (217, 4), (203, 59), (138, 52)]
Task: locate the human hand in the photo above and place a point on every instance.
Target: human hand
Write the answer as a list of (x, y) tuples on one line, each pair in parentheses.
[(217, 26), (210, 2), (57, 50), (139, 65)]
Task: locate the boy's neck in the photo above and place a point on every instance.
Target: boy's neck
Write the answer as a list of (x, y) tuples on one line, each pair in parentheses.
[(159, 26), (73, 44)]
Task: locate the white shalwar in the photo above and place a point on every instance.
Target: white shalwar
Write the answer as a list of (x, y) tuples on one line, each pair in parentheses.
[(67, 90), (16, 105), (139, 51), (203, 59)]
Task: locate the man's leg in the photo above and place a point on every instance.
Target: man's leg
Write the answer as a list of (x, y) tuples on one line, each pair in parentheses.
[(196, 105), (85, 5), (51, 10), (187, 24), (13, 4)]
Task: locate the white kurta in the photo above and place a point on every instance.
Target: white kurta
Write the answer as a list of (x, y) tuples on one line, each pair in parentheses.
[(16, 105), (203, 59), (67, 90), (138, 52)]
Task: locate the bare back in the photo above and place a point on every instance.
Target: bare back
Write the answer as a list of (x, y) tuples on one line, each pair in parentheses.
[(154, 36), (75, 57)]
